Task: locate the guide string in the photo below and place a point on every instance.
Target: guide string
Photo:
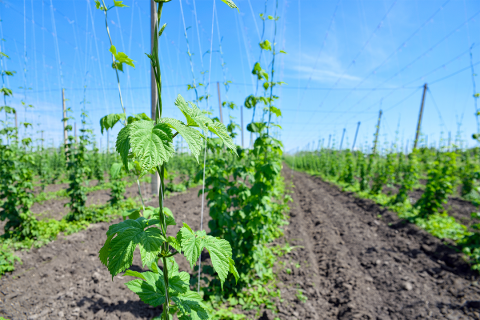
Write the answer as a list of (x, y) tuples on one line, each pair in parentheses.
[(205, 151), (203, 201)]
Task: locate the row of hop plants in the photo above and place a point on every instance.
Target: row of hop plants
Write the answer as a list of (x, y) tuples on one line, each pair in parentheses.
[(242, 188), (391, 179)]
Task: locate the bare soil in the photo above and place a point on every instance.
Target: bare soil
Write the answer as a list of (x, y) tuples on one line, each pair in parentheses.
[(66, 280), (355, 261), (359, 261)]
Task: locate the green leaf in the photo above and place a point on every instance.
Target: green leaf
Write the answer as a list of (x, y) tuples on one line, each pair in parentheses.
[(191, 136), (150, 291), (256, 126), (231, 4), (276, 111), (195, 118), (220, 130), (132, 273), (162, 29), (115, 170), (123, 144), (119, 4), (220, 254), (177, 284), (174, 243), (170, 219), (109, 121), (191, 303), (121, 57), (191, 245), (129, 234), (137, 117), (232, 269), (103, 253), (266, 45), (151, 144)]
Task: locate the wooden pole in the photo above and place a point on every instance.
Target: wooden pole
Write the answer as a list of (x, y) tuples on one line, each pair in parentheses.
[(377, 132), (219, 102), (155, 184), (356, 134), (419, 124), (341, 141)]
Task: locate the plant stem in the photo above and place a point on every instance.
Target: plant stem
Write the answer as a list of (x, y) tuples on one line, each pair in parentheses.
[(113, 60), (140, 193), (161, 169)]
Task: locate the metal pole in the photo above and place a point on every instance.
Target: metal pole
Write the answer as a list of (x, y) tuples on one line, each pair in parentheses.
[(419, 124), (155, 184), (376, 133), (219, 102), (356, 134), (341, 141)]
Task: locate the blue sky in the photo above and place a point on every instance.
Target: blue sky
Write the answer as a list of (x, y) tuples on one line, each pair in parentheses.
[(346, 60)]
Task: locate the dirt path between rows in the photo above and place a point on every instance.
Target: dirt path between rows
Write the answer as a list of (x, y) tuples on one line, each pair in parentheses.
[(355, 261), (66, 280), (361, 262)]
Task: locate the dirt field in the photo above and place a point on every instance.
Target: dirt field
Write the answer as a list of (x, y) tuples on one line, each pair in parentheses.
[(356, 261)]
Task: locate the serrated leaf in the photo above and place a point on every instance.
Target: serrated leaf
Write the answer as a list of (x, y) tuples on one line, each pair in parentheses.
[(138, 117), (129, 234), (150, 243), (174, 243), (220, 253), (123, 144), (191, 245), (221, 131), (132, 273), (276, 111), (230, 3), (191, 303), (103, 253), (176, 283), (121, 57), (119, 4), (172, 266), (115, 170), (191, 136), (150, 291), (194, 116), (151, 144), (232, 269)]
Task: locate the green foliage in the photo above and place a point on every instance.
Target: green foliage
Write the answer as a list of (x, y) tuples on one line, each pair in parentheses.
[(78, 169), (410, 178), (439, 185), (145, 146), (7, 259), (110, 120)]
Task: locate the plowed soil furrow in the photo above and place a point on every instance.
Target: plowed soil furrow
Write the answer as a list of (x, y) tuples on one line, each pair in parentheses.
[(362, 265), (354, 260), (66, 280)]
